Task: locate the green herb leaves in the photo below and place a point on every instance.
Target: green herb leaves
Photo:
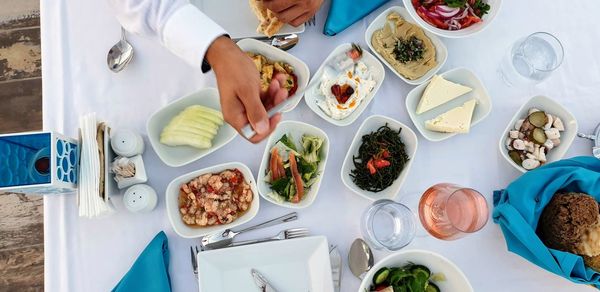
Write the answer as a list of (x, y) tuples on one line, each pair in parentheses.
[(408, 50)]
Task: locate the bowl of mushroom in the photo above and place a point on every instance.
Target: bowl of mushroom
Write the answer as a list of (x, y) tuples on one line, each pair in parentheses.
[(540, 132)]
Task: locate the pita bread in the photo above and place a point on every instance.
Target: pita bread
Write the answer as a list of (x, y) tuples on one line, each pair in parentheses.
[(269, 24)]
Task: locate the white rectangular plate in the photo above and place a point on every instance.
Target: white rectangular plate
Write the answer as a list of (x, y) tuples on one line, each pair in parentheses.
[(293, 265), (237, 18)]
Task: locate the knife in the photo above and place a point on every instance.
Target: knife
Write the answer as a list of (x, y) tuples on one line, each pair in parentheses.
[(262, 282)]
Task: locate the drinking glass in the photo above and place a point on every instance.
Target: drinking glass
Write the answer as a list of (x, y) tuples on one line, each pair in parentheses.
[(531, 59), (448, 211), (388, 224)]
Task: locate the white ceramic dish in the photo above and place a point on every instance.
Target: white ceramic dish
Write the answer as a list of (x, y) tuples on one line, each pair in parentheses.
[(296, 130), (437, 264), (312, 94), (469, 31), (172, 203), (175, 156), (441, 51), (371, 124), (293, 265), (237, 18), (554, 108), (274, 54), (459, 75)]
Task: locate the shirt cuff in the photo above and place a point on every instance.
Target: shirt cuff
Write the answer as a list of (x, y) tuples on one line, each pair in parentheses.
[(188, 33)]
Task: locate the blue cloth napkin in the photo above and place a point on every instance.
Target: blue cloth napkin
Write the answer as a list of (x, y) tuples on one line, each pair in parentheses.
[(343, 13), (519, 206), (150, 272)]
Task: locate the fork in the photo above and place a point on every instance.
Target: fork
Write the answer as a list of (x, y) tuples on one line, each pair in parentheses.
[(312, 21), (284, 234), (194, 260)]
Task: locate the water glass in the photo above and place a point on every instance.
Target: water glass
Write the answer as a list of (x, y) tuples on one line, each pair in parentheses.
[(388, 224), (531, 59), (449, 211)]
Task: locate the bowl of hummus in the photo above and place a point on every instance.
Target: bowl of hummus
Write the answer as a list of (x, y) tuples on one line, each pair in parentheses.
[(412, 53)]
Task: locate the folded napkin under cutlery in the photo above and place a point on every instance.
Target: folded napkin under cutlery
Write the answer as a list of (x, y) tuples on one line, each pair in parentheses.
[(150, 272), (343, 13), (519, 206)]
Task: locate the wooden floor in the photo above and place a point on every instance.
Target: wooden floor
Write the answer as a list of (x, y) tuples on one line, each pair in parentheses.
[(21, 223)]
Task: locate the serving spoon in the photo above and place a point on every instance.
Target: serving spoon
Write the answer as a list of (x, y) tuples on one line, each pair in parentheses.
[(360, 258), (120, 54)]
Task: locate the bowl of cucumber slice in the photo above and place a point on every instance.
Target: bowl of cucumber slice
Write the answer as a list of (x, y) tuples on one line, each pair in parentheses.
[(416, 271)]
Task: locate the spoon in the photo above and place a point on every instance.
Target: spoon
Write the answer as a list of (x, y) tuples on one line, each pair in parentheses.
[(360, 258), (120, 54), (285, 42)]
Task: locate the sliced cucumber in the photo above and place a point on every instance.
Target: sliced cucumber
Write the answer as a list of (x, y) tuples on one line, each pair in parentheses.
[(195, 141), (381, 275), (431, 287), (205, 112), (420, 271), (515, 156), (538, 136), (538, 119)]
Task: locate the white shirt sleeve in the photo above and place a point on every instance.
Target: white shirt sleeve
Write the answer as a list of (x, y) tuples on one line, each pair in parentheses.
[(181, 27)]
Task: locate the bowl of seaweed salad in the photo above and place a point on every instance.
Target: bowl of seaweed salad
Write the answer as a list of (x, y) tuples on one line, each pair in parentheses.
[(379, 158)]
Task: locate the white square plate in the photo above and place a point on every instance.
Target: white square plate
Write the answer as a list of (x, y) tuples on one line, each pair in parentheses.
[(441, 51), (312, 94), (554, 108), (296, 130), (237, 18), (292, 265), (371, 124), (274, 54), (459, 75), (172, 201), (175, 156)]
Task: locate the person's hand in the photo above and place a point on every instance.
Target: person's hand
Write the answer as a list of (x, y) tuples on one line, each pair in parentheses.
[(294, 12), (239, 88)]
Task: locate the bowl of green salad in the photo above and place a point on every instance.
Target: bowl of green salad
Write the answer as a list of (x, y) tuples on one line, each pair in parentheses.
[(416, 271), (293, 163)]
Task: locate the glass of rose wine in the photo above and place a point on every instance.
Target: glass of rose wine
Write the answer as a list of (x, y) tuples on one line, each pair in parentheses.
[(448, 211)]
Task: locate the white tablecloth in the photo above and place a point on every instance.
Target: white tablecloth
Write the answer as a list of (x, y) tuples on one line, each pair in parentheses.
[(92, 255)]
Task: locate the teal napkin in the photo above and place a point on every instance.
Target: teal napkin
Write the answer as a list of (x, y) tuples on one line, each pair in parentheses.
[(517, 210), (343, 13), (150, 272)]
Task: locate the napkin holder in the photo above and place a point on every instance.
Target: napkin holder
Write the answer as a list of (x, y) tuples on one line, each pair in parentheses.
[(38, 163)]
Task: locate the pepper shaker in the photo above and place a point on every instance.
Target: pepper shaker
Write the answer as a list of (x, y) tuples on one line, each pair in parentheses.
[(140, 198)]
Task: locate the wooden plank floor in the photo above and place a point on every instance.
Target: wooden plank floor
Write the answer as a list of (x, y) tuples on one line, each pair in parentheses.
[(21, 223)]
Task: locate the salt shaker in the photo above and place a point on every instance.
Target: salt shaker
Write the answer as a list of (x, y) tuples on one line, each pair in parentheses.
[(126, 143), (140, 198)]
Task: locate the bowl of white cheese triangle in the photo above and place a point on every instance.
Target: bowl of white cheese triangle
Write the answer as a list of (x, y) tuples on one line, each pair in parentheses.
[(448, 104)]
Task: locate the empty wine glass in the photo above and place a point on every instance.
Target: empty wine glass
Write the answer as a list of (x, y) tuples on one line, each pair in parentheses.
[(388, 224)]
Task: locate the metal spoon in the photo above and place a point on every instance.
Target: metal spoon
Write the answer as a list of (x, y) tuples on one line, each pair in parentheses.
[(285, 42), (120, 54), (594, 137), (360, 258)]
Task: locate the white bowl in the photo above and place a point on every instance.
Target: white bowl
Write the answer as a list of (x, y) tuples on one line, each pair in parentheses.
[(437, 264), (296, 130), (300, 68), (459, 75), (441, 51), (172, 196), (176, 156), (371, 124), (312, 94), (554, 108), (466, 32)]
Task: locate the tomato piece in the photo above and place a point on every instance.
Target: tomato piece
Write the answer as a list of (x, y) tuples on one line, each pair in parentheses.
[(297, 179), (385, 154), (372, 169), (273, 165), (381, 163), (435, 22)]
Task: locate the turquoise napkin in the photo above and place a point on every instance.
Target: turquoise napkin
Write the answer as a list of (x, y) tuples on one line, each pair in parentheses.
[(343, 13), (150, 272), (517, 210)]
